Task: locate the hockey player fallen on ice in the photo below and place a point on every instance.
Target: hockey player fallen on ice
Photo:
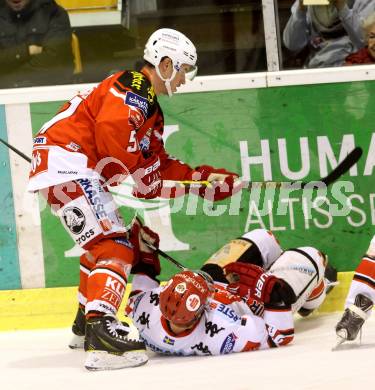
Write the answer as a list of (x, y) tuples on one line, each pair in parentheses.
[(260, 247), (360, 299), (191, 315), (96, 140)]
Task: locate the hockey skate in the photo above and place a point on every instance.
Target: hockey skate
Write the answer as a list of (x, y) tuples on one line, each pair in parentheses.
[(78, 329), (352, 320), (108, 345)]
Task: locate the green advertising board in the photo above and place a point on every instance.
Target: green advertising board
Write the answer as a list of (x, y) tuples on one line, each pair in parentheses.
[(282, 134)]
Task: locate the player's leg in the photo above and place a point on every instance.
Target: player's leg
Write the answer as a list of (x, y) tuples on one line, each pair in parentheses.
[(104, 270), (303, 270), (258, 247), (360, 299)]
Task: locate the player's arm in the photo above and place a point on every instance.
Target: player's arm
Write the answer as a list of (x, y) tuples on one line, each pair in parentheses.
[(224, 182)]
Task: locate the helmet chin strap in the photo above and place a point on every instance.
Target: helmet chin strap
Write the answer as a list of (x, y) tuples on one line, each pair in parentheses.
[(167, 82)]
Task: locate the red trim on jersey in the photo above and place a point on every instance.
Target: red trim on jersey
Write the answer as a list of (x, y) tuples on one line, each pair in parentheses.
[(250, 346), (317, 292), (366, 267)]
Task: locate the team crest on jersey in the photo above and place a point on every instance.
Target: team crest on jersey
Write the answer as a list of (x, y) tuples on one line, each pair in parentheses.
[(168, 340), (144, 144), (134, 100), (228, 344), (74, 219)]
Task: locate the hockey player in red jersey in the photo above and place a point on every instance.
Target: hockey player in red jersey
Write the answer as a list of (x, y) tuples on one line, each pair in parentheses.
[(360, 299), (96, 140)]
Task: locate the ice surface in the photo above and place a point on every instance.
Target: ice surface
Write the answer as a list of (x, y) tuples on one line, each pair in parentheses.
[(39, 360)]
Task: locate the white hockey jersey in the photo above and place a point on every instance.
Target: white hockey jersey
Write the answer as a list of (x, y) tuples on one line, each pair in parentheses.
[(222, 329)]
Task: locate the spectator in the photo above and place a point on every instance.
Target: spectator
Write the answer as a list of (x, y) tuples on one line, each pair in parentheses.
[(35, 44), (367, 54), (330, 32)]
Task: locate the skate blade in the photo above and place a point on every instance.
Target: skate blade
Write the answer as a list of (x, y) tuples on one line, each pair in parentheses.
[(77, 342), (101, 360), (339, 341)]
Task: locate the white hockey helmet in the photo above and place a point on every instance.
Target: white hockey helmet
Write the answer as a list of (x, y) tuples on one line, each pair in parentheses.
[(166, 42)]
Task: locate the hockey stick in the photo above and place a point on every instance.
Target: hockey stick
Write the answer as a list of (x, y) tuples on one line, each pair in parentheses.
[(166, 256), (15, 150), (343, 167)]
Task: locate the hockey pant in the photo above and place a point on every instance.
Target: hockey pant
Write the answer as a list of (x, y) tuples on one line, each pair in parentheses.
[(303, 269), (89, 215)]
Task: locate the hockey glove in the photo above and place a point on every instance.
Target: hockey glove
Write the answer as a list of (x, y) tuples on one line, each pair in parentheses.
[(252, 281), (223, 182), (146, 260), (261, 285), (147, 179)]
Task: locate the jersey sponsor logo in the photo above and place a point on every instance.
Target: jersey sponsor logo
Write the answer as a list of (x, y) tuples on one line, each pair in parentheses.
[(260, 284), (137, 80), (144, 319), (92, 195), (65, 172), (84, 237), (193, 302), (228, 344), (132, 99), (40, 140), (123, 241), (151, 94), (227, 311), (154, 298), (202, 348), (212, 329), (74, 219), (152, 168), (168, 340)]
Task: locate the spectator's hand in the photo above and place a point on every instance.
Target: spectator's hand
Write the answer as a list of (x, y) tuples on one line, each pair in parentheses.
[(339, 4), (34, 50)]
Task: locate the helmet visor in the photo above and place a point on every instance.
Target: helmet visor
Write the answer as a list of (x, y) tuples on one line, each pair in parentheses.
[(191, 72)]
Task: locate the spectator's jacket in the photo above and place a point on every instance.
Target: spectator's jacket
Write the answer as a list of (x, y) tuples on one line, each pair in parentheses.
[(324, 52), (360, 57), (109, 131), (42, 23)]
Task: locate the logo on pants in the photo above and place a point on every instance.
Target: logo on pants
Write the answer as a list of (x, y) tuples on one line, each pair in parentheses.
[(74, 219)]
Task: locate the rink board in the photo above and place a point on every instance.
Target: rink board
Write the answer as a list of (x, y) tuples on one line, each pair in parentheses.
[(56, 307), (283, 133)]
